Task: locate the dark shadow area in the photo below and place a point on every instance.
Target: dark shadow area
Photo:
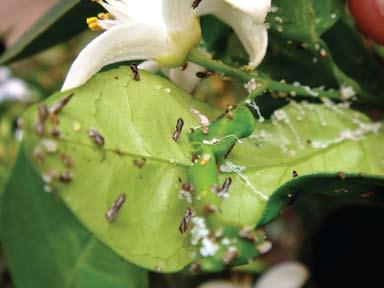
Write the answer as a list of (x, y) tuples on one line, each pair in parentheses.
[(348, 249)]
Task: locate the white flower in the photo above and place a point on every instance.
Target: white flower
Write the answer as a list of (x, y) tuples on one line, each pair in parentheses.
[(289, 274), (164, 31), (12, 89), (184, 76), (246, 17)]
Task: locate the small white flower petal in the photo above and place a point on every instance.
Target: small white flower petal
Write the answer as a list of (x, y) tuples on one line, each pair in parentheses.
[(177, 14), (150, 65), (5, 73), (254, 36), (258, 9), (186, 78), (117, 9), (284, 275), (120, 43), (14, 89), (220, 284), (144, 11)]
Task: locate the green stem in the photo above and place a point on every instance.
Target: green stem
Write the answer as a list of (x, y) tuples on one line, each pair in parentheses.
[(219, 244), (198, 57)]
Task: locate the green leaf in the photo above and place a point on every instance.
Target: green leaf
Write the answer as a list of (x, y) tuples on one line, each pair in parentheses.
[(293, 63), (45, 246), (335, 152), (137, 119), (141, 160), (303, 23), (64, 21), (304, 20), (352, 55)]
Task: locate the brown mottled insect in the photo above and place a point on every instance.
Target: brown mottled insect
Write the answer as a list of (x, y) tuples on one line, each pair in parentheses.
[(59, 105), (229, 115), (184, 66), (229, 108), (195, 267), (96, 137), (184, 223), (135, 72), (179, 127), (118, 152), (209, 209), (66, 160), (204, 74), (196, 4), (43, 113), (39, 154), (65, 177), (194, 158), (228, 111), (294, 174), (112, 213), (223, 193), (55, 132), (188, 187), (247, 234)]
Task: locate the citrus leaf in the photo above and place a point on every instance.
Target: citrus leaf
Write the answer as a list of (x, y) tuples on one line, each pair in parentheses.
[(137, 157), (45, 246), (302, 24), (64, 21), (352, 55), (314, 149), (304, 20)]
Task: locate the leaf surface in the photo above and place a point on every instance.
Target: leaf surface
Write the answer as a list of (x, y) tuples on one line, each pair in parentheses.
[(45, 245), (141, 160)]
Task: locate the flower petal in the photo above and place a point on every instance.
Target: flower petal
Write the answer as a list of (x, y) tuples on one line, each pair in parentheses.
[(177, 14), (117, 9), (254, 36), (286, 274), (258, 9), (186, 78), (150, 65), (120, 43)]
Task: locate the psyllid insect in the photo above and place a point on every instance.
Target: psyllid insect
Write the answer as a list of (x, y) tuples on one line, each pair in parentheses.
[(43, 113), (223, 193), (112, 213), (204, 74), (96, 137), (135, 72), (179, 127), (59, 105), (186, 219), (65, 177), (196, 4)]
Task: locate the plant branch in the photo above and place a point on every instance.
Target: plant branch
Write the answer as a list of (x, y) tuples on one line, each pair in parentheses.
[(263, 83)]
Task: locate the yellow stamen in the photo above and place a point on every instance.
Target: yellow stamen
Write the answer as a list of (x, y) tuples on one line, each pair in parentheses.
[(105, 16), (94, 26), (91, 20)]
